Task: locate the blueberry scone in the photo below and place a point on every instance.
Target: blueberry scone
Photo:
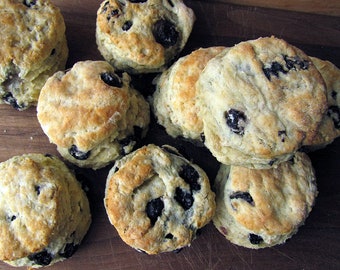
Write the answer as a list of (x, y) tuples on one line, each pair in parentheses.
[(174, 101), (44, 213), (142, 36), (157, 200), (92, 114), (263, 208), (330, 125), (259, 101), (33, 47)]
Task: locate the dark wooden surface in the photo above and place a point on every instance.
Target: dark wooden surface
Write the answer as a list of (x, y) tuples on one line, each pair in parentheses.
[(315, 246)]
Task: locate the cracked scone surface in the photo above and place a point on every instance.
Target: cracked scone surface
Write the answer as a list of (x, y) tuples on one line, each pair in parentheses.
[(33, 47), (263, 208), (44, 213), (329, 128), (174, 101), (158, 200), (142, 36), (92, 114), (259, 101)]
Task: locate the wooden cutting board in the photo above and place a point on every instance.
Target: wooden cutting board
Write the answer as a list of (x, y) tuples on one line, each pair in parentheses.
[(315, 246)]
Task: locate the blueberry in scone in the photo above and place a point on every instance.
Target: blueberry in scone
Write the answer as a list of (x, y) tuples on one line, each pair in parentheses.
[(174, 101), (33, 47), (158, 200), (44, 213), (92, 114), (263, 208), (329, 128), (142, 36), (259, 101)]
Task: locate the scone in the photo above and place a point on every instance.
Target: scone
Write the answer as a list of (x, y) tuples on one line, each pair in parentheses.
[(174, 101), (33, 47), (142, 36), (259, 101), (158, 200), (263, 208), (44, 213), (330, 125), (92, 114)]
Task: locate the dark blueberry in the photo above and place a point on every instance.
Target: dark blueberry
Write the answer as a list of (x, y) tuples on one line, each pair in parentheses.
[(41, 258), (154, 209), (184, 198), (334, 113), (9, 99), (111, 79), (137, 1), (236, 121), (334, 94), (292, 160), (190, 176), (176, 251), (171, 3), (282, 134), (69, 250), (274, 69), (74, 152), (165, 33), (255, 239), (113, 13), (127, 25), (169, 236), (30, 3), (271, 163), (244, 196), (37, 190), (11, 218), (296, 62)]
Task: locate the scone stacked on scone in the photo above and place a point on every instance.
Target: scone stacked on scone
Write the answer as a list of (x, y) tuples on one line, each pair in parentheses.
[(44, 213), (263, 208), (259, 101), (92, 114), (157, 200), (142, 36), (329, 128), (33, 47), (174, 101)]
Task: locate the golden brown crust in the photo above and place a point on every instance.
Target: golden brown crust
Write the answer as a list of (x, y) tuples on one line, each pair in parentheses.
[(150, 174), (42, 208), (34, 47), (78, 108), (134, 48), (270, 203), (329, 128), (174, 101), (263, 98)]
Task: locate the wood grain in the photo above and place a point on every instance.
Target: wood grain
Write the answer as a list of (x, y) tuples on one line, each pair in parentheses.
[(316, 245), (326, 7)]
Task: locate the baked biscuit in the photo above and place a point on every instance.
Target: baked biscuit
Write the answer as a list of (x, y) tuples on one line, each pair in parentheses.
[(142, 36), (174, 101), (44, 213), (33, 47), (330, 125), (261, 98), (92, 114), (158, 200), (263, 208)]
